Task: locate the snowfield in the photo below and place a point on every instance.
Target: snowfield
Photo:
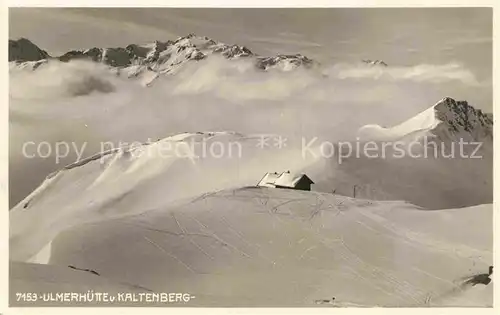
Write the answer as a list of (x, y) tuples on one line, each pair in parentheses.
[(239, 247)]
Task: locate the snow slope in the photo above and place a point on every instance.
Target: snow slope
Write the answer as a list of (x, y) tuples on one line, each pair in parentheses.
[(264, 246), (143, 177), (448, 120), (432, 183), (431, 169)]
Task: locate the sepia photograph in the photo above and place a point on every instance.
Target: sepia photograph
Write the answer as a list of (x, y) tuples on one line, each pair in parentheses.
[(250, 157)]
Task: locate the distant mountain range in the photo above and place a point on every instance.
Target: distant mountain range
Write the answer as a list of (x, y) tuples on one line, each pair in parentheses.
[(160, 57)]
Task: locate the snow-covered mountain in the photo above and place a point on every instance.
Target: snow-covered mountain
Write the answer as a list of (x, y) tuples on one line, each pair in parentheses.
[(428, 159), (447, 120), (169, 170), (156, 58), (159, 57), (375, 62), (22, 50), (458, 119)]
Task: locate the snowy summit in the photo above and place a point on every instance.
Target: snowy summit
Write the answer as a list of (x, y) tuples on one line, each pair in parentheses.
[(447, 120)]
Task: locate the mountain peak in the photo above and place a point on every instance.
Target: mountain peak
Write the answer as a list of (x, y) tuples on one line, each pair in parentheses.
[(285, 62), (22, 50), (375, 62), (447, 120), (459, 116)]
